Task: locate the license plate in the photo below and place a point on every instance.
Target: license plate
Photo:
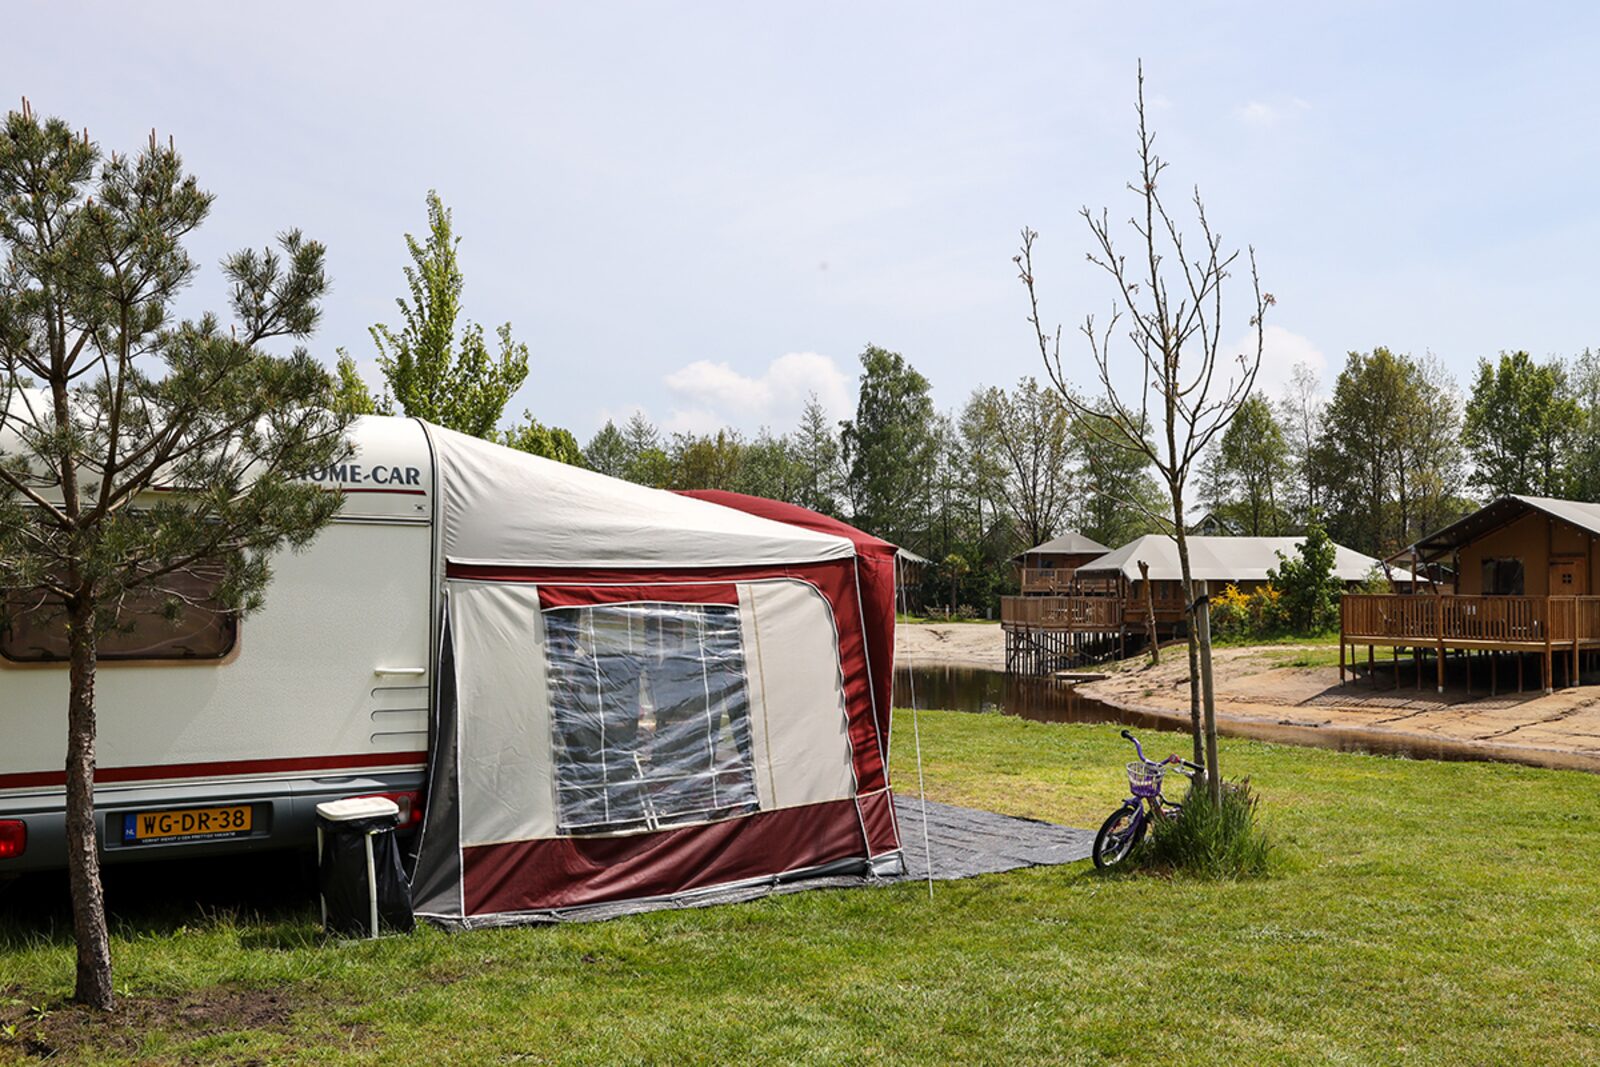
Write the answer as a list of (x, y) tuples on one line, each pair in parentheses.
[(186, 824)]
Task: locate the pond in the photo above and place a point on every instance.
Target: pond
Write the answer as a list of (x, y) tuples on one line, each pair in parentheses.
[(1052, 700)]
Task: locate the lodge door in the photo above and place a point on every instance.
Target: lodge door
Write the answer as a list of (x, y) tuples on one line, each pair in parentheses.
[(1569, 577)]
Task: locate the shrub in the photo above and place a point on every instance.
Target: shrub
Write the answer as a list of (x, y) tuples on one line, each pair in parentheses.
[(1237, 615), (1309, 603), (1210, 840)]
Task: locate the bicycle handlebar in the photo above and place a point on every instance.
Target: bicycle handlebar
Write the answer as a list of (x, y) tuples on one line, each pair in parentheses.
[(1174, 758), (1137, 748)]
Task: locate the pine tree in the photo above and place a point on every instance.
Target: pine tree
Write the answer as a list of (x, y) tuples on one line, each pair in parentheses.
[(816, 454), (104, 399)]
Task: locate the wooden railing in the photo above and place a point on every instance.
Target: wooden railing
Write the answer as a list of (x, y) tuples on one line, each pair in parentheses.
[(1092, 614), (1046, 579), (1504, 620)]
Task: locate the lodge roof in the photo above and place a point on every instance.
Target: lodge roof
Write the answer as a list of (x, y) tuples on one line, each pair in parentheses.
[(1218, 559), (1068, 544), (1503, 511)]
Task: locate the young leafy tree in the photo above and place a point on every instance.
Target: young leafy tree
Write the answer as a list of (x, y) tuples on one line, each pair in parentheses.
[(433, 374), (1522, 423), (1308, 590), (890, 447), (1168, 298), (138, 454), (351, 395)]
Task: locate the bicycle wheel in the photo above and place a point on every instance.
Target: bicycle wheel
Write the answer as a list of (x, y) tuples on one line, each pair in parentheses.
[(1122, 830)]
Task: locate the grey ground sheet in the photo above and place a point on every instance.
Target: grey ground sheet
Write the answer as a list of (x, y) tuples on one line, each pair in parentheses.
[(963, 843), (966, 841)]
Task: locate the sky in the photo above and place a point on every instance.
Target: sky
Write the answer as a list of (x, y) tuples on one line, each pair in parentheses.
[(705, 211)]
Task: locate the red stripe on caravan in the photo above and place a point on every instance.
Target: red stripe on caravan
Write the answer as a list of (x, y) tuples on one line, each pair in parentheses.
[(169, 771), (582, 596)]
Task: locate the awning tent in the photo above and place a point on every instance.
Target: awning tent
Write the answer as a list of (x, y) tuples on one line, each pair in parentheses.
[(643, 696)]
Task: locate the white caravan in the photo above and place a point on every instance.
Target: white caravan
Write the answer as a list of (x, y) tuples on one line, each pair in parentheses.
[(219, 735), (224, 736)]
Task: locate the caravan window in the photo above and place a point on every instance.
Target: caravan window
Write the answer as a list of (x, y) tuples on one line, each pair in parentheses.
[(180, 621), (650, 715)]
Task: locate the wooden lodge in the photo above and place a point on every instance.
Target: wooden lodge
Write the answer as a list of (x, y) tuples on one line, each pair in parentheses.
[(1048, 569), (1527, 583), (1102, 612)]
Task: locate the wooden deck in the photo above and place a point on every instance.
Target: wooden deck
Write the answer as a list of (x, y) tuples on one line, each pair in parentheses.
[(1052, 581), (1045, 634), (1545, 625)]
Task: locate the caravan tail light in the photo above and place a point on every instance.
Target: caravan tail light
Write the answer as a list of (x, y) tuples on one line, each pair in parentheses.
[(13, 838), (410, 805)]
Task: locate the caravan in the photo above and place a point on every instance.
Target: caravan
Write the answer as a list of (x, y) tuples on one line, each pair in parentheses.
[(581, 691)]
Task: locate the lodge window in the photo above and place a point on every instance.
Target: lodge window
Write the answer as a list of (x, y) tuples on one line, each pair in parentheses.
[(180, 620), (650, 716), (1502, 577)]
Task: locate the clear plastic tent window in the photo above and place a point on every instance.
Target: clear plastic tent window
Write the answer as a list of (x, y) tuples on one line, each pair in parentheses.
[(650, 716)]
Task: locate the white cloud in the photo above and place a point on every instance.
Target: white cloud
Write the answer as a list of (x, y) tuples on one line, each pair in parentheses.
[(1281, 350), (1262, 113), (707, 395)]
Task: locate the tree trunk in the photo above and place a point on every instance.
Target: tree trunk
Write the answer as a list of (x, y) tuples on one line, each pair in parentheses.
[(1196, 726), (1202, 617), (83, 849), (1150, 614)]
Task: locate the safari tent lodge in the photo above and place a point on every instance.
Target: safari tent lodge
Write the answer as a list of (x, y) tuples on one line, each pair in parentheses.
[(1526, 583), (1103, 611)]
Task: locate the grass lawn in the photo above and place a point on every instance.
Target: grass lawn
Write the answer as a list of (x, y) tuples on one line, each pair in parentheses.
[(1421, 913)]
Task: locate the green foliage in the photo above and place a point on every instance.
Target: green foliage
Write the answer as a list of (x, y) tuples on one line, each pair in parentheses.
[(129, 400), (1120, 494), (551, 442), (1031, 454), (1522, 422), (816, 459), (433, 374), (1308, 601), (1209, 839), (607, 451), (142, 451), (890, 448), (351, 395), (1237, 615), (1247, 476), (1390, 454)]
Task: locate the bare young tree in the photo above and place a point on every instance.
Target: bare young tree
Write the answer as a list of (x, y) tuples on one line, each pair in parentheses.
[(1168, 300)]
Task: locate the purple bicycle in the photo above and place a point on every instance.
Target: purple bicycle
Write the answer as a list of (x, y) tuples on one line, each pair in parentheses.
[(1126, 826)]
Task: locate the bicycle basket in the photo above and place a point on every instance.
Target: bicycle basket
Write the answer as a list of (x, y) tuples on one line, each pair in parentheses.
[(1144, 779)]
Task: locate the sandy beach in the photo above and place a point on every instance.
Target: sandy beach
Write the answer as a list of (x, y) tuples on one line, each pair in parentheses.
[(1259, 695), (960, 644)]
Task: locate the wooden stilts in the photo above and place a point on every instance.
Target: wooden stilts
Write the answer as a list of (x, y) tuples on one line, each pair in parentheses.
[(1372, 666), (1494, 681)]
